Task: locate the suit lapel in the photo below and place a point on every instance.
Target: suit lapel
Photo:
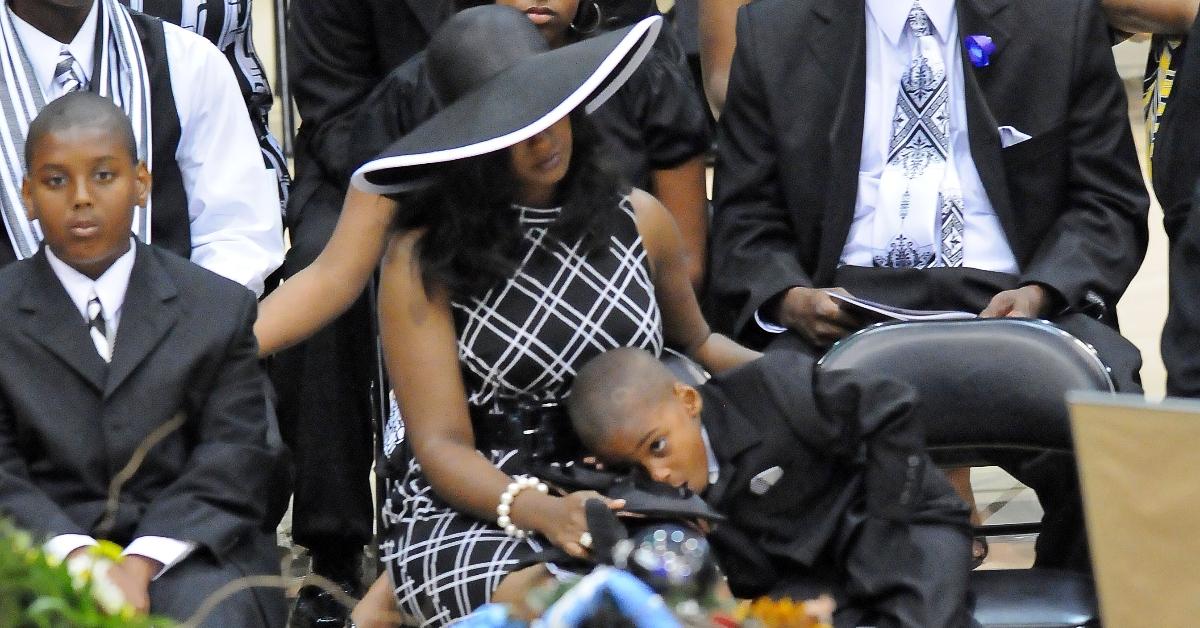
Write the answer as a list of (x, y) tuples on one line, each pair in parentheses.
[(839, 42), (984, 17), (149, 312), (730, 435), (54, 322)]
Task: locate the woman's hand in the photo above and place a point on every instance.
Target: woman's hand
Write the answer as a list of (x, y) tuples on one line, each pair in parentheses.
[(563, 520)]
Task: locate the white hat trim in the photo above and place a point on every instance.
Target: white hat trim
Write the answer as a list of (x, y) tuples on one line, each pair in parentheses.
[(645, 32)]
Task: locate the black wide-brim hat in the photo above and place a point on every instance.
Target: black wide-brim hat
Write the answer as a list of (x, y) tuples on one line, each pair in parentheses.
[(503, 86)]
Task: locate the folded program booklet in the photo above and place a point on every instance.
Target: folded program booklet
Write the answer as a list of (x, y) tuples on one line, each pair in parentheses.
[(880, 312)]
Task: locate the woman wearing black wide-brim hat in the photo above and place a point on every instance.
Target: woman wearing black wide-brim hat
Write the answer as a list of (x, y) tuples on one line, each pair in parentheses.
[(513, 256), (656, 126)]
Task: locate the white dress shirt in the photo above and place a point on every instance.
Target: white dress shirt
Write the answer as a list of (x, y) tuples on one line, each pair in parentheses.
[(889, 51), (714, 467), (233, 202), (110, 288)]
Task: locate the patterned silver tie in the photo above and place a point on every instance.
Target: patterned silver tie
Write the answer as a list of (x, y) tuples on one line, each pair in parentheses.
[(98, 329), (67, 74), (919, 178)]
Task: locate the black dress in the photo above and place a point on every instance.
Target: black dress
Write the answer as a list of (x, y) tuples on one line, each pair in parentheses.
[(522, 340)]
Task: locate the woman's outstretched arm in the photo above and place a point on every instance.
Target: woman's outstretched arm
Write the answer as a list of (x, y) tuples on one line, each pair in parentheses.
[(681, 191), (717, 41), (683, 323), (315, 296), (421, 351)]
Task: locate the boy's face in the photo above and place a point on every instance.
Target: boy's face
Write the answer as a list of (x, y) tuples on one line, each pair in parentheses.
[(664, 439), (82, 186)]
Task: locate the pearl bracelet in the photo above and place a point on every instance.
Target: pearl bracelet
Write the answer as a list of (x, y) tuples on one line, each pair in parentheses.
[(508, 496)]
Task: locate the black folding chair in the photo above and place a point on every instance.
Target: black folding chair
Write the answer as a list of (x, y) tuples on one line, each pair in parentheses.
[(992, 386)]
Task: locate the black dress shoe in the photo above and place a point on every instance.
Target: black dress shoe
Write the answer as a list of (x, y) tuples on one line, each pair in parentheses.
[(318, 608)]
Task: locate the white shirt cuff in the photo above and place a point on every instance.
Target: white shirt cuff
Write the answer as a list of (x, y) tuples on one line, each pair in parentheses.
[(770, 328), (62, 545), (165, 550)]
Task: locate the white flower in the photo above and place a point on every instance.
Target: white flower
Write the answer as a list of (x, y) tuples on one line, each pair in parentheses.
[(86, 568), (80, 567), (106, 592)]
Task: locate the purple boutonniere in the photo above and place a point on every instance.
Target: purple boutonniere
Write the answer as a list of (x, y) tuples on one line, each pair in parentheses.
[(979, 50)]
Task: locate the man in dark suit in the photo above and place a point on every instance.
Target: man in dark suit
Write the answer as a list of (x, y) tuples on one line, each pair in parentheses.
[(338, 52), (1173, 90), (120, 352), (1055, 207), (864, 148), (824, 481), (1181, 333)]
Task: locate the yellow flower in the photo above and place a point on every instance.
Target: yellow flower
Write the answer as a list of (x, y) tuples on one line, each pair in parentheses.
[(783, 613), (107, 549)]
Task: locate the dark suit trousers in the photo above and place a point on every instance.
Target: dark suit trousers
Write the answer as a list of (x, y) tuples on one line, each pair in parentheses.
[(181, 591), (880, 580), (1063, 540), (324, 406)]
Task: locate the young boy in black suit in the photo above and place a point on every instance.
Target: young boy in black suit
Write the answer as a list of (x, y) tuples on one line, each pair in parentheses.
[(825, 482), (129, 369)]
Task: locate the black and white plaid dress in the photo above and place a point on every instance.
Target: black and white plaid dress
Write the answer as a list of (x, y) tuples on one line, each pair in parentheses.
[(525, 338)]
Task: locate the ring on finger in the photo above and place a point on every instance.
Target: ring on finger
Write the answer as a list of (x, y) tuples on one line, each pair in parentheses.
[(585, 540)]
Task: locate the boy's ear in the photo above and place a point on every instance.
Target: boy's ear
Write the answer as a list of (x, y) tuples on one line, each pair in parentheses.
[(27, 198), (690, 398), (144, 183)]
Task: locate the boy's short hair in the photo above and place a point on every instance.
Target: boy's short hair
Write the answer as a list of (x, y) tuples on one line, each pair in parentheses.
[(611, 388), (80, 109)]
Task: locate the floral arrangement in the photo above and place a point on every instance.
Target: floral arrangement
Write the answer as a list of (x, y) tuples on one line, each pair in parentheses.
[(615, 598), (784, 613), (36, 591)]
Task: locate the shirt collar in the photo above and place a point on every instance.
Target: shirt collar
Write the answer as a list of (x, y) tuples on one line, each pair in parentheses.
[(42, 49), (714, 467), (110, 287), (892, 15)]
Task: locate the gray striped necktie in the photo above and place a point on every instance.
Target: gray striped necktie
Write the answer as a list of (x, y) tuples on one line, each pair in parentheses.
[(67, 74), (98, 328)]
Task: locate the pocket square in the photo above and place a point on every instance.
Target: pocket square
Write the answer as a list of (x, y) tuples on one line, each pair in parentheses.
[(1010, 136), (763, 482)]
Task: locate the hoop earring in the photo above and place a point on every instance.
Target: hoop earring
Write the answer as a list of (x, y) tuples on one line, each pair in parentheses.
[(591, 28)]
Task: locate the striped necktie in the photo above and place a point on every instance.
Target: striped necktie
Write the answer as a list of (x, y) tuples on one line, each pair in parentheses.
[(67, 75), (98, 329)]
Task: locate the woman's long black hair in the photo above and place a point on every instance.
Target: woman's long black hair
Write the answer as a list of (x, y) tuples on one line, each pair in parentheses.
[(472, 233)]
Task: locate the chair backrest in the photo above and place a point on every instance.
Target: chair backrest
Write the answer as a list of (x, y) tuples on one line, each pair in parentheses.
[(982, 384), (683, 367)]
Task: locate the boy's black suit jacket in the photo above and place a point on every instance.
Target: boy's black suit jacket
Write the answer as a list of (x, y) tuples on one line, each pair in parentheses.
[(1071, 200), (849, 452), (69, 423)]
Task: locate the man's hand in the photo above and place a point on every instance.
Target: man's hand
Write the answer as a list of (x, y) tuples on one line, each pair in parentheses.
[(1025, 302), (79, 551), (133, 577), (816, 316)]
